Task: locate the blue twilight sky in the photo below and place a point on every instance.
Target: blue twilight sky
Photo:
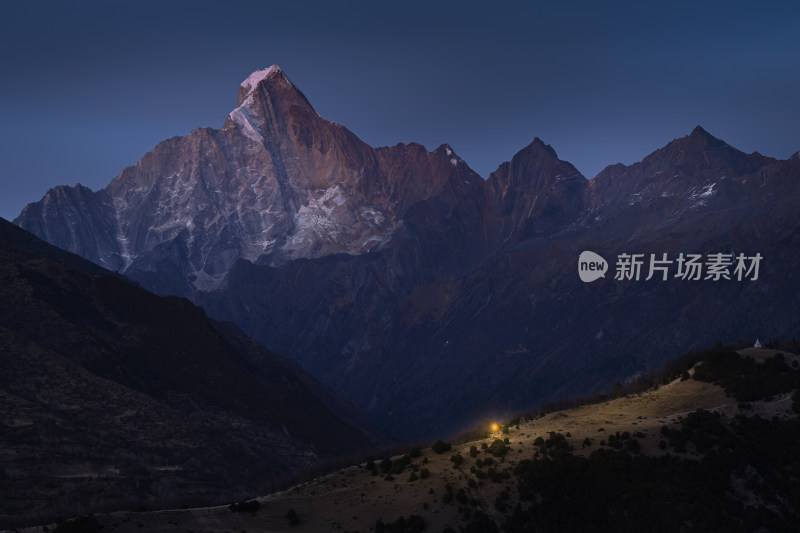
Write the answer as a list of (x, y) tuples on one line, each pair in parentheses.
[(87, 88)]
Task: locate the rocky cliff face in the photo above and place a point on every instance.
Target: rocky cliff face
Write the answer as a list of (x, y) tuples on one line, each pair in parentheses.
[(277, 182), (535, 193), (424, 295)]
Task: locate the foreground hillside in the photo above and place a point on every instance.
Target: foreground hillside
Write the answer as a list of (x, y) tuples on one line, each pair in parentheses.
[(113, 397), (715, 451)]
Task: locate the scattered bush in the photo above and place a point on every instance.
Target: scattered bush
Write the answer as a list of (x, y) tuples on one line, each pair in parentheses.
[(440, 447), (498, 448), (702, 428), (746, 380), (400, 465), (498, 477), (556, 444), (291, 516), (615, 441), (457, 459)]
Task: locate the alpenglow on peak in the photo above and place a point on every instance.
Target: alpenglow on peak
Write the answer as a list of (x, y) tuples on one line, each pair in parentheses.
[(252, 81)]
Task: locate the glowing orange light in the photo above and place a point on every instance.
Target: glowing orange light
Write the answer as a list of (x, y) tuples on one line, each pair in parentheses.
[(495, 427)]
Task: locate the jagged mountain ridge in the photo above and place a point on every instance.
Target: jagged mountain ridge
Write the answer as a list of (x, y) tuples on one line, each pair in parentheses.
[(275, 183), (404, 329), (470, 301), (687, 174)]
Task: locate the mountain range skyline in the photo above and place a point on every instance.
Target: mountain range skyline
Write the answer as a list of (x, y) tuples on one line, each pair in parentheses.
[(396, 275), (602, 84)]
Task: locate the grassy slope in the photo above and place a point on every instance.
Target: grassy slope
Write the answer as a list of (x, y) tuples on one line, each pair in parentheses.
[(353, 499)]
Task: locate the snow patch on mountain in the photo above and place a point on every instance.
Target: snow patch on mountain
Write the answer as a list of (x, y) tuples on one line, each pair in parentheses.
[(248, 124), (700, 196), (372, 216), (708, 190), (258, 76), (637, 197)]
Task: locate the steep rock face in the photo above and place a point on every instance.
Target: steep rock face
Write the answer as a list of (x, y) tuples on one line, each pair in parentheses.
[(275, 183), (78, 220), (534, 194)]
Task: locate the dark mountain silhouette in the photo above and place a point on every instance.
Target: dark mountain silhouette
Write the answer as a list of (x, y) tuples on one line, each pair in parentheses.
[(112, 394)]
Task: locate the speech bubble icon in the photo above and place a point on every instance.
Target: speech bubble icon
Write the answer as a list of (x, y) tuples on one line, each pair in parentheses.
[(591, 266)]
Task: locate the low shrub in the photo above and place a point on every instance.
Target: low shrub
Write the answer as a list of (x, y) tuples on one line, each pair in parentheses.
[(440, 447)]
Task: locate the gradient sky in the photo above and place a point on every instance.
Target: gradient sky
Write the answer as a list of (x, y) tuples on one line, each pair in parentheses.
[(87, 88)]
